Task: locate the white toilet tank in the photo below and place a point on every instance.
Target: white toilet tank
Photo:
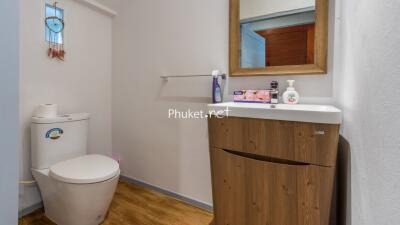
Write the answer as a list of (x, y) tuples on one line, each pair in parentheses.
[(58, 139)]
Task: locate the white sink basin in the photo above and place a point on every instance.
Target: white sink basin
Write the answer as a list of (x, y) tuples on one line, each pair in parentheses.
[(301, 113)]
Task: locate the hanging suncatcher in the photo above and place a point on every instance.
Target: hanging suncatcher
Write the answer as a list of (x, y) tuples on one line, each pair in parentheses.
[(55, 25)]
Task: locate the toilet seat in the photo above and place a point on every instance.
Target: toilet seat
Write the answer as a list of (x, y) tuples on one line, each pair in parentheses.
[(85, 170)]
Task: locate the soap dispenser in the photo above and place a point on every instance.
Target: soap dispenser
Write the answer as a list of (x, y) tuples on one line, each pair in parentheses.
[(291, 96)]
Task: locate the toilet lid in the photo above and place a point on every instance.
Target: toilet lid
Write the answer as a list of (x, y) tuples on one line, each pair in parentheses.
[(85, 170)]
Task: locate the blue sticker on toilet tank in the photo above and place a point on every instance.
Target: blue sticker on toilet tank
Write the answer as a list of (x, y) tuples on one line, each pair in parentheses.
[(54, 133)]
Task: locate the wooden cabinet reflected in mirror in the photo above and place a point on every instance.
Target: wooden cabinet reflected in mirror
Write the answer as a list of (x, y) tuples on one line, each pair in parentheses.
[(278, 37)]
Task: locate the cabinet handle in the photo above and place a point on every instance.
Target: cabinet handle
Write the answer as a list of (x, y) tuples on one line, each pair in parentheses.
[(264, 158), (319, 132)]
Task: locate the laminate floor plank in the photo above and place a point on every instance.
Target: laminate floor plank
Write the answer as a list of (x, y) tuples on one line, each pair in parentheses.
[(134, 205)]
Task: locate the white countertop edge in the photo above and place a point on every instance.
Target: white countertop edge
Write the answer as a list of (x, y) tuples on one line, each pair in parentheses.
[(263, 111)]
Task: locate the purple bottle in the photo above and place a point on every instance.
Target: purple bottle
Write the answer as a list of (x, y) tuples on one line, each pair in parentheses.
[(216, 88)]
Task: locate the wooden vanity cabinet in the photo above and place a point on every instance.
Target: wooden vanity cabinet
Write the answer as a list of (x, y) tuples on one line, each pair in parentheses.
[(294, 141), (268, 172)]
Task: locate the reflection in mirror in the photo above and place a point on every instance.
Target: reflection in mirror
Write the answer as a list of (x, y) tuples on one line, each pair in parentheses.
[(277, 32)]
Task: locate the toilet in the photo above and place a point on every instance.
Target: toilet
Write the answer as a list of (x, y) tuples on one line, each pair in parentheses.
[(76, 188)]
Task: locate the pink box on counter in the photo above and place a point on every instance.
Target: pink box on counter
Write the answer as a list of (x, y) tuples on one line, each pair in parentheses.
[(254, 96)]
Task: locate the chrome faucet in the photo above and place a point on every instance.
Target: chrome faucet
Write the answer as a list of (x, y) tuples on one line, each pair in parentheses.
[(274, 92)]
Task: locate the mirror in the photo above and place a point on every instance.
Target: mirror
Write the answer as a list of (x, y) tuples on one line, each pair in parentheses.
[(278, 37)]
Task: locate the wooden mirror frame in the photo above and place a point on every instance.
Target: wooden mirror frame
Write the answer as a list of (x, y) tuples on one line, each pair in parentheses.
[(320, 46)]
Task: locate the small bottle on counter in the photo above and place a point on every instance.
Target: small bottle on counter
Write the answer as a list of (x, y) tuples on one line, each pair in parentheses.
[(216, 88), (274, 92)]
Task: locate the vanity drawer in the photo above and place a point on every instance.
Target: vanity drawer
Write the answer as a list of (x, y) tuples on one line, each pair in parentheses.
[(294, 141), (249, 191)]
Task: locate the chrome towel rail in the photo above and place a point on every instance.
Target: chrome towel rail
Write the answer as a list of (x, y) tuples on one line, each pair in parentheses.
[(223, 76)]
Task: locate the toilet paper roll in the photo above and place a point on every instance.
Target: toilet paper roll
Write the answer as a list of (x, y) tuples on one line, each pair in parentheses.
[(46, 111)]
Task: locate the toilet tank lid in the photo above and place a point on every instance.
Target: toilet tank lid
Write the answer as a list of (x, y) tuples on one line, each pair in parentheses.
[(85, 169), (61, 118)]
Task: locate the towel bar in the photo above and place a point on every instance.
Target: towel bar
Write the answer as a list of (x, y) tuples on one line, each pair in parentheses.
[(223, 76)]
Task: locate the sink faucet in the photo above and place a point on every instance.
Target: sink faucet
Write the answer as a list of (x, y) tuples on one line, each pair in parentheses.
[(274, 92)]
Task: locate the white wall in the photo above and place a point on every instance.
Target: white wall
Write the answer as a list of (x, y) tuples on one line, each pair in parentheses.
[(364, 62), (176, 37), (367, 89), (255, 8), (80, 84), (9, 44)]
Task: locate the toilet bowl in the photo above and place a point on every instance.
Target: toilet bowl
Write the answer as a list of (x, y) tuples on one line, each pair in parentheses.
[(78, 191), (76, 188)]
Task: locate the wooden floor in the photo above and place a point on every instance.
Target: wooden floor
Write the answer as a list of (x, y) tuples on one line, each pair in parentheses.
[(133, 205)]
